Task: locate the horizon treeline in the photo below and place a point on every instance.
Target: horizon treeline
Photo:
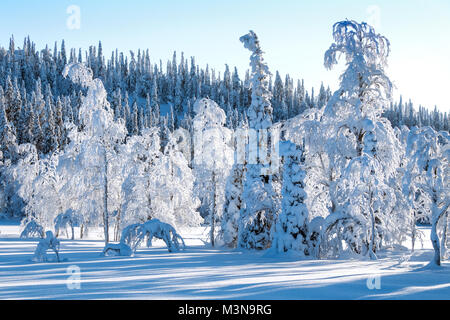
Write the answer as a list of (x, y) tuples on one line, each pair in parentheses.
[(38, 99)]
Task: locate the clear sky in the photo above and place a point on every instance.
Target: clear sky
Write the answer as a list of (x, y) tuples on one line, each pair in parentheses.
[(293, 33)]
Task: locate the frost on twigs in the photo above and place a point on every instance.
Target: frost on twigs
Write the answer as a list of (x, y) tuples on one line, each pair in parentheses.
[(134, 234), (32, 229), (365, 90), (357, 40), (49, 242)]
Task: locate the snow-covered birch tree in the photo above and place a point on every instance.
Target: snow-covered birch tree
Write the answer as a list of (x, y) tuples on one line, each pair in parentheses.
[(213, 159), (428, 171), (141, 154), (361, 140), (95, 144)]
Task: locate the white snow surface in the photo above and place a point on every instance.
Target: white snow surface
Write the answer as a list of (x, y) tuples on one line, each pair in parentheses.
[(202, 272)]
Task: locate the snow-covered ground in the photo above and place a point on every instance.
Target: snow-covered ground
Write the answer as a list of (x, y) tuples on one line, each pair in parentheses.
[(201, 272)]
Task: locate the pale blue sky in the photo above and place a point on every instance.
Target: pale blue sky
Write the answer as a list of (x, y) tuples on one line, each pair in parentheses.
[(294, 34)]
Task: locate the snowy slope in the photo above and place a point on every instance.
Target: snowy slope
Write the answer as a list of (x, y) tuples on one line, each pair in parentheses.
[(204, 273)]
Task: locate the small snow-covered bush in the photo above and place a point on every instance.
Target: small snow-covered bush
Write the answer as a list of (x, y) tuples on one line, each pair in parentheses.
[(49, 242), (32, 229), (117, 249)]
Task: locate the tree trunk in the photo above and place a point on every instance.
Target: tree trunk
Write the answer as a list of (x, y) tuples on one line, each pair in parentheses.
[(372, 239), (435, 241), (436, 216), (413, 234), (117, 227), (213, 215), (105, 198), (444, 237)]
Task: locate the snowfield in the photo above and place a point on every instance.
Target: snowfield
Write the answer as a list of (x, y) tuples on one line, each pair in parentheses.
[(201, 272)]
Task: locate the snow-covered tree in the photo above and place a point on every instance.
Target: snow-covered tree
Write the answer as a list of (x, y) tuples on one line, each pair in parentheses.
[(175, 185), (95, 145), (363, 148), (260, 110), (229, 228), (428, 172), (261, 205), (2, 187), (31, 229), (157, 185), (19, 180), (43, 197), (408, 198), (49, 242), (133, 235), (141, 155), (364, 87), (213, 158), (67, 219), (291, 229), (8, 143), (321, 169)]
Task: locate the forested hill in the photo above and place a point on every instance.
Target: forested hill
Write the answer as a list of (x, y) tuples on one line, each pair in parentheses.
[(37, 99)]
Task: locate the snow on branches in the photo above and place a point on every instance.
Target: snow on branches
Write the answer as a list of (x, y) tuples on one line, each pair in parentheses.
[(93, 149), (365, 89), (291, 229), (32, 229), (260, 110), (352, 152), (428, 174), (68, 219), (261, 205), (157, 184), (213, 158)]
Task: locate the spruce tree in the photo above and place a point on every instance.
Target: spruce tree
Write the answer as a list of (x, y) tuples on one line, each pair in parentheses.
[(261, 208), (7, 131), (291, 229)]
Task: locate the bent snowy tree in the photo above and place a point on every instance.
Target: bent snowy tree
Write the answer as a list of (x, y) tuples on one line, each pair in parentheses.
[(48, 243), (32, 229), (133, 235)]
